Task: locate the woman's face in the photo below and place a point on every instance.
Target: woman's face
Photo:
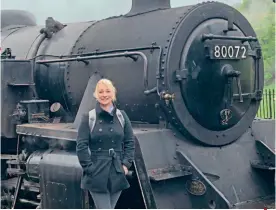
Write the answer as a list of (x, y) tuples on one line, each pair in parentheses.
[(104, 94)]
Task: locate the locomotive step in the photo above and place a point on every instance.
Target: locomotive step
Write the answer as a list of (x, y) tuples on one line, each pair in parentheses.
[(264, 166), (169, 172)]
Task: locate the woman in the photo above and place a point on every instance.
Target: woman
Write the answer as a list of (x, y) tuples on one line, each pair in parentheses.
[(105, 148)]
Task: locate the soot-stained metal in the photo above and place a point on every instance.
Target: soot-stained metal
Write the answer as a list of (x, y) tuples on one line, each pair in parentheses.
[(191, 88)]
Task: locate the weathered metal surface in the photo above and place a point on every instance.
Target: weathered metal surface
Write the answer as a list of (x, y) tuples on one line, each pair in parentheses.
[(143, 178), (21, 41), (88, 103), (32, 166), (140, 107), (172, 170), (158, 150), (267, 202), (179, 30), (266, 157), (51, 78), (216, 164), (16, 79), (8, 157), (61, 131), (264, 130), (36, 110), (17, 191), (200, 98), (60, 181), (17, 17), (203, 193)]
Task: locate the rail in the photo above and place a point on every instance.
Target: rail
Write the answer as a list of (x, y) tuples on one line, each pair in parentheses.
[(128, 52), (111, 55)]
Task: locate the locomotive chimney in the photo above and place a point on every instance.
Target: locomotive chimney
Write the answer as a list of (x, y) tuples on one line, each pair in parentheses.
[(142, 6)]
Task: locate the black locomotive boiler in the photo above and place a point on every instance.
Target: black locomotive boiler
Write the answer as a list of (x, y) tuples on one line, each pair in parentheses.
[(191, 81)]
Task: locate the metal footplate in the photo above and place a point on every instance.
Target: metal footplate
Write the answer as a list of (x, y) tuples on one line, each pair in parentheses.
[(266, 155), (144, 181), (203, 193), (169, 172)]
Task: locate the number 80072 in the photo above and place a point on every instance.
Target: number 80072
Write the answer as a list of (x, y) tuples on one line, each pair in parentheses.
[(229, 52)]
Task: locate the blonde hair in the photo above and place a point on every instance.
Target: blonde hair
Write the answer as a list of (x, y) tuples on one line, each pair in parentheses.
[(109, 84)]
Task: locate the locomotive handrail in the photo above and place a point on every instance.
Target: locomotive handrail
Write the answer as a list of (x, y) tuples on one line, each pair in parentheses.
[(152, 47), (212, 36), (111, 55)]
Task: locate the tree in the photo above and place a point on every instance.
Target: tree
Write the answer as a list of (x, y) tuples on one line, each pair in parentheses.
[(260, 14)]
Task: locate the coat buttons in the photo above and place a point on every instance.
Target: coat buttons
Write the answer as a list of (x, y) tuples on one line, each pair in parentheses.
[(101, 121), (100, 130), (100, 140), (111, 129), (99, 149)]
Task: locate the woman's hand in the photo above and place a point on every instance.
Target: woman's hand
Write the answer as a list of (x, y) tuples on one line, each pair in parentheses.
[(125, 169)]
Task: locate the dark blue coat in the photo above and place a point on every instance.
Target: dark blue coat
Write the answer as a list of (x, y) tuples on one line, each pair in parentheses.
[(111, 147)]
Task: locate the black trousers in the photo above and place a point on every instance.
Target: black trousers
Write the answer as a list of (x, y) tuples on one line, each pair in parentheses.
[(105, 200)]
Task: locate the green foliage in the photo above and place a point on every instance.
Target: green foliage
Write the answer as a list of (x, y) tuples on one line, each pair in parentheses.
[(261, 15)]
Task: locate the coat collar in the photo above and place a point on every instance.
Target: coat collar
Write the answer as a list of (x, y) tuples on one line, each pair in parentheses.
[(101, 111)]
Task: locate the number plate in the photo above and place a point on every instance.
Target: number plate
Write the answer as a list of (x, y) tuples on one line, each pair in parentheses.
[(224, 51)]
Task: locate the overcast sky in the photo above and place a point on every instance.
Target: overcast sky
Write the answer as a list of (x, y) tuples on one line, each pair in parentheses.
[(82, 10)]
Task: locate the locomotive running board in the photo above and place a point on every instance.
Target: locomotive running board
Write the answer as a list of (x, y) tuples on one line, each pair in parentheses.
[(199, 185), (173, 181), (266, 157), (225, 178), (144, 182)]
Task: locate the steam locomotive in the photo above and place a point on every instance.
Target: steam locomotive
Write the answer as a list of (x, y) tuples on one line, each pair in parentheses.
[(189, 78)]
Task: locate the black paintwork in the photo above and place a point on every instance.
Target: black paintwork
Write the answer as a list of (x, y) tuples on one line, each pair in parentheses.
[(184, 88), (209, 84), (60, 176), (17, 17), (16, 82), (199, 98), (157, 149)]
